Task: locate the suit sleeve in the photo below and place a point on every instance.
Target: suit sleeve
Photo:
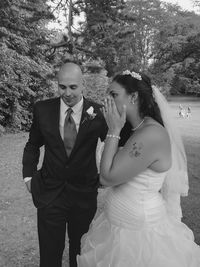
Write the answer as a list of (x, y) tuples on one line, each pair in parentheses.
[(32, 148)]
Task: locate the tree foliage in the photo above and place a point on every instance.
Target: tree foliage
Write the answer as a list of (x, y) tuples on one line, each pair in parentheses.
[(119, 32), (177, 52), (102, 31), (23, 68), (116, 34), (148, 17)]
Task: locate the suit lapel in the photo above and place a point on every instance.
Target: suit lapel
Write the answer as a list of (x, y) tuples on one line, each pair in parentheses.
[(55, 122), (54, 116), (84, 117)]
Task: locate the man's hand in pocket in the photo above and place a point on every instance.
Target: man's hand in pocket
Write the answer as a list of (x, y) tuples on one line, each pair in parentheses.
[(28, 185)]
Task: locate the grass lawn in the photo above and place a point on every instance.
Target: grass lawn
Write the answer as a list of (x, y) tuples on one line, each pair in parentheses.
[(18, 233), (190, 129)]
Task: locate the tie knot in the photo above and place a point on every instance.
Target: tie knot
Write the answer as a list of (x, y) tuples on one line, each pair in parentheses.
[(69, 111)]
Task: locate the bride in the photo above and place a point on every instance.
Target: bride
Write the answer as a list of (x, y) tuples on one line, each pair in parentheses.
[(140, 225)]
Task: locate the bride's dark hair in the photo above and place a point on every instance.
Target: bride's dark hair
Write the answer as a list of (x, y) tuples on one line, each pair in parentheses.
[(147, 104)]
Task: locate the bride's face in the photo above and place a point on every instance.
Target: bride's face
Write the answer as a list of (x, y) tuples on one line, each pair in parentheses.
[(118, 93)]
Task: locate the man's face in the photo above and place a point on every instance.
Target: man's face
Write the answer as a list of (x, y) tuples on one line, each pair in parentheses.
[(70, 86)]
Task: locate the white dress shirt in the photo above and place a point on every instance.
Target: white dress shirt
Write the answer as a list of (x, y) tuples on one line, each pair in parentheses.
[(76, 115)]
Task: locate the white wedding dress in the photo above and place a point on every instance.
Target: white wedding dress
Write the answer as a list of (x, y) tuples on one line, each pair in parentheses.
[(134, 230)]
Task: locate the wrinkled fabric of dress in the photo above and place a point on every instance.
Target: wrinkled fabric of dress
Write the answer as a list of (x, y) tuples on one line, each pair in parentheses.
[(134, 230)]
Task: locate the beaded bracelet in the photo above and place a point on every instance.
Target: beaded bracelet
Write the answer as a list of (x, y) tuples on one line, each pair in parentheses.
[(113, 136)]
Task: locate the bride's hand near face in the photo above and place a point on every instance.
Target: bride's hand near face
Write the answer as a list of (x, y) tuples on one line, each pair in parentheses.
[(114, 119)]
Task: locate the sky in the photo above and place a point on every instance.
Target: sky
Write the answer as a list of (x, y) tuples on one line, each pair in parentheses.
[(185, 4)]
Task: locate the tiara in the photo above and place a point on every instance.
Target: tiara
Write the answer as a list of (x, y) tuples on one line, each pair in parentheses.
[(133, 74)]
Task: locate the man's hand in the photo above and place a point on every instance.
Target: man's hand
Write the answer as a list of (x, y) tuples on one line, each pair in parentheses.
[(28, 185)]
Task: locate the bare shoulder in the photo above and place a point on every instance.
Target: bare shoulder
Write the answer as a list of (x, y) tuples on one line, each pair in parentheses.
[(156, 133), (150, 131), (148, 147), (151, 137)]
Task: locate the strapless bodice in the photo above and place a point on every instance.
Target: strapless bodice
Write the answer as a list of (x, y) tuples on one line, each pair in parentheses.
[(137, 203), (147, 181)]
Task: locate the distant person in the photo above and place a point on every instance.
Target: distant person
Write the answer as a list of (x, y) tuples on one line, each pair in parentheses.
[(181, 111), (189, 112), (180, 107)]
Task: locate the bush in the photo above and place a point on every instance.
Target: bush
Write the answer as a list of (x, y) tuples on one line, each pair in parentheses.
[(96, 85)]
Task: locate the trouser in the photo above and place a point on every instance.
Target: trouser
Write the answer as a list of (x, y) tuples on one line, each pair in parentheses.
[(75, 212)]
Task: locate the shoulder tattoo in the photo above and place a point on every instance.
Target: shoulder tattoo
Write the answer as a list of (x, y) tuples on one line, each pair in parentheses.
[(135, 150)]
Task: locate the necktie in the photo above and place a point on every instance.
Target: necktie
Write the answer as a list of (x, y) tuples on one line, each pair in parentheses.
[(70, 132)]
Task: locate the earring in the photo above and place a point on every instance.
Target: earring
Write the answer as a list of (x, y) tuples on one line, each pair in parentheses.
[(133, 102)]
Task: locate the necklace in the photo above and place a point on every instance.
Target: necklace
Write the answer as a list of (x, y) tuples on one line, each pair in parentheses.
[(138, 125)]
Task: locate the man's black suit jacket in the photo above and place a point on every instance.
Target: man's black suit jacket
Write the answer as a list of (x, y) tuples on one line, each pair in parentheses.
[(78, 172)]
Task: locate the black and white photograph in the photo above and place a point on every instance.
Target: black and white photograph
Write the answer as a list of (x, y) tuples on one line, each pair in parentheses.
[(99, 133)]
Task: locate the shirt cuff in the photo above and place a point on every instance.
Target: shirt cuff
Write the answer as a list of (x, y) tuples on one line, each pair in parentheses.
[(27, 179)]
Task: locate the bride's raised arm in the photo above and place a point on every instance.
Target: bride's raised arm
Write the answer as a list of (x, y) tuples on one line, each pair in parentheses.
[(149, 145)]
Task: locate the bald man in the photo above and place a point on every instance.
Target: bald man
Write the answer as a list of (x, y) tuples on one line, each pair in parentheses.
[(64, 190)]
